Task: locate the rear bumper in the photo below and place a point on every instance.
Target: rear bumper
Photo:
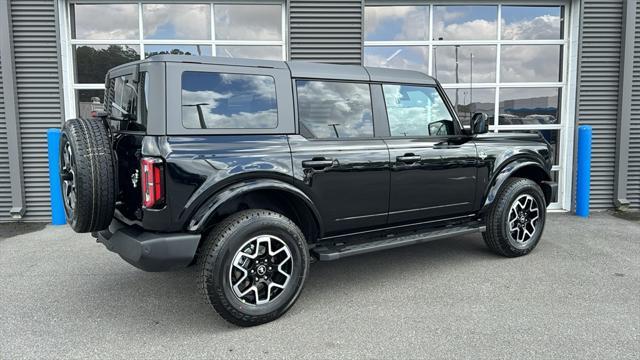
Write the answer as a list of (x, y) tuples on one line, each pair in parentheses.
[(149, 251)]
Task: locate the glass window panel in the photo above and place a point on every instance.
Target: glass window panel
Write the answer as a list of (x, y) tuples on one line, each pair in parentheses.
[(88, 102), (399, 57), (532, 22), (176, 21), (529, 106), (265, 52), (396, 23), (416, 111), (150, 50), (551, 136), (531, 63), (248, 22), (228, 101), (93, 61), (483, 101), (104, 22), (329, 109), (446, 57), (465, 22)]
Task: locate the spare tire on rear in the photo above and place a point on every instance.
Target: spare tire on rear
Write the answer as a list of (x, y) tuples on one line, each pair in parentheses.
[(87, 175)]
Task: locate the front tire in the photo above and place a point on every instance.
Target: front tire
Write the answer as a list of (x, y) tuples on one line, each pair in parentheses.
[(253, 267), (516, 219)]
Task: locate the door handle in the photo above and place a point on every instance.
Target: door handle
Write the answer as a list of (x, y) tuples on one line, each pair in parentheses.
[(318, 163), (408, 158)]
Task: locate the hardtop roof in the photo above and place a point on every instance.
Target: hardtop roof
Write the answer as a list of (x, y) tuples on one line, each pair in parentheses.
[(303, 69)]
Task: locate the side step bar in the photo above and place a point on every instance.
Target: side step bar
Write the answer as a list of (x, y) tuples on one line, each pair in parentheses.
[(332, 250)]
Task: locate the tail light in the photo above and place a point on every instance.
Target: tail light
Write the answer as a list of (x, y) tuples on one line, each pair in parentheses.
[(152, 182)]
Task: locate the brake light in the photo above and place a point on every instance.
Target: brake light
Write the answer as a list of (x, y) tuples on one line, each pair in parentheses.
[(152, 182)]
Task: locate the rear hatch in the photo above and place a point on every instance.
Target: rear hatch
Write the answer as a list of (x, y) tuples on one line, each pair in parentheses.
[(125, 105)]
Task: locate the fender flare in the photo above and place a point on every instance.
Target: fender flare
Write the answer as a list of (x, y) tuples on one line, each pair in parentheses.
[(214, 202), (505, 173)]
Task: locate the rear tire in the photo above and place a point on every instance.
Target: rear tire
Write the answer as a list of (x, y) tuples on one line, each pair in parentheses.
[(253, 267), (516, 219), (87, 175)]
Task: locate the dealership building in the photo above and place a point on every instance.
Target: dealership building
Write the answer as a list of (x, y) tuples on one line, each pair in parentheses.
[(547, 66)]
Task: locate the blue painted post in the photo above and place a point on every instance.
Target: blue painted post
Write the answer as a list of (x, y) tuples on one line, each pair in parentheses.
[(57, 208), (583, 181)]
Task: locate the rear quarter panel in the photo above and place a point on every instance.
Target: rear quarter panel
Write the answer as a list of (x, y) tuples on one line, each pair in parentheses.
[(199, 166)]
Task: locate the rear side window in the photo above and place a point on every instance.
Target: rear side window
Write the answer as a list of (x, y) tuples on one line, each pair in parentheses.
[(123, 98), (228, 101), (331, 109), (416, 111)]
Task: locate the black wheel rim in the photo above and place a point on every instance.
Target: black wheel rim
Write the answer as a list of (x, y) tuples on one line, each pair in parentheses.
[(67, 178)]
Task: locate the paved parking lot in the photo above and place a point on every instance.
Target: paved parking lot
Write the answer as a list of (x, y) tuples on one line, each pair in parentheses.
[(576, 296)]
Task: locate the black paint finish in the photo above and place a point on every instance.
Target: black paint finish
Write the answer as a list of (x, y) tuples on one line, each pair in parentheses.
[(348, 186)]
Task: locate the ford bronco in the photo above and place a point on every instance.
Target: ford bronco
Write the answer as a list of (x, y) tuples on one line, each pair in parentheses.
[(249, 169)]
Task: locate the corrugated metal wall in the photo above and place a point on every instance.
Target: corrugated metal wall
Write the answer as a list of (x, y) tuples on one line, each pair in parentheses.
[(39, 98), (597, 104), (633, 179), (325, 31), (5, 186)]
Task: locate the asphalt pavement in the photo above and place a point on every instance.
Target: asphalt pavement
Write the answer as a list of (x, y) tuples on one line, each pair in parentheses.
[(577, 296)]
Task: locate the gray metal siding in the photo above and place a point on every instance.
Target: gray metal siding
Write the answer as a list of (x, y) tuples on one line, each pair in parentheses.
[(633, 179), (39, 95), (597, 105), (325, 31), (5, 185)]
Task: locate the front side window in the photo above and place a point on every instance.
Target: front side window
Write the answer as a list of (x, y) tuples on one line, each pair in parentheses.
[(416, 111), (330, 109), (228, 101)]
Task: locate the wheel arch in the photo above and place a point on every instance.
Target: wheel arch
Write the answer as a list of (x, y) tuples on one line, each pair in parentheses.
[(524, 168), (268, 194)]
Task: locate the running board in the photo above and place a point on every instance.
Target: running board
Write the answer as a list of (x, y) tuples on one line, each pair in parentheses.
[(332, 250)]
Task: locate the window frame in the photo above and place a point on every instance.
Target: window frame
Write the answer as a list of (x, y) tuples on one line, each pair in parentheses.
[(283, 89), (239, 128), (374, 123)]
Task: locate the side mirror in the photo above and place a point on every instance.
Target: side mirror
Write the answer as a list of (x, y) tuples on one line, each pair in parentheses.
[(479, 124)]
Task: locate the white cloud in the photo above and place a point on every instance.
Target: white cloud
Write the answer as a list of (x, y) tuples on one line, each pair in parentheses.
[(412, 21), (248, 22), (541, 27), (189, 21), (324, 103), (104, 22)]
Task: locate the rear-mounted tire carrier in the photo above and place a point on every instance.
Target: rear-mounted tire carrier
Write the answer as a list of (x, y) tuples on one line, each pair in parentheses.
[(87, 174)]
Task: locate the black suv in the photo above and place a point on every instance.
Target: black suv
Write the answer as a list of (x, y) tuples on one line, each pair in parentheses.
[(251, 168)]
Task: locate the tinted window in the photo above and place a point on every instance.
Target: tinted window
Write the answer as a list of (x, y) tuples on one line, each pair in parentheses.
[(329, 109), (416, 111), (228, 101), (122, 104)]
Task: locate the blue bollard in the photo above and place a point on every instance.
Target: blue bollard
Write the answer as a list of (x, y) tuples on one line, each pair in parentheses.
[(583, 181), (57, 208)]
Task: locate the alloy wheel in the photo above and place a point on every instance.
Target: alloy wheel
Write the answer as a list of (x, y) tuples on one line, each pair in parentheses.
[(260, 270), (523, 219), (67, 175)]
